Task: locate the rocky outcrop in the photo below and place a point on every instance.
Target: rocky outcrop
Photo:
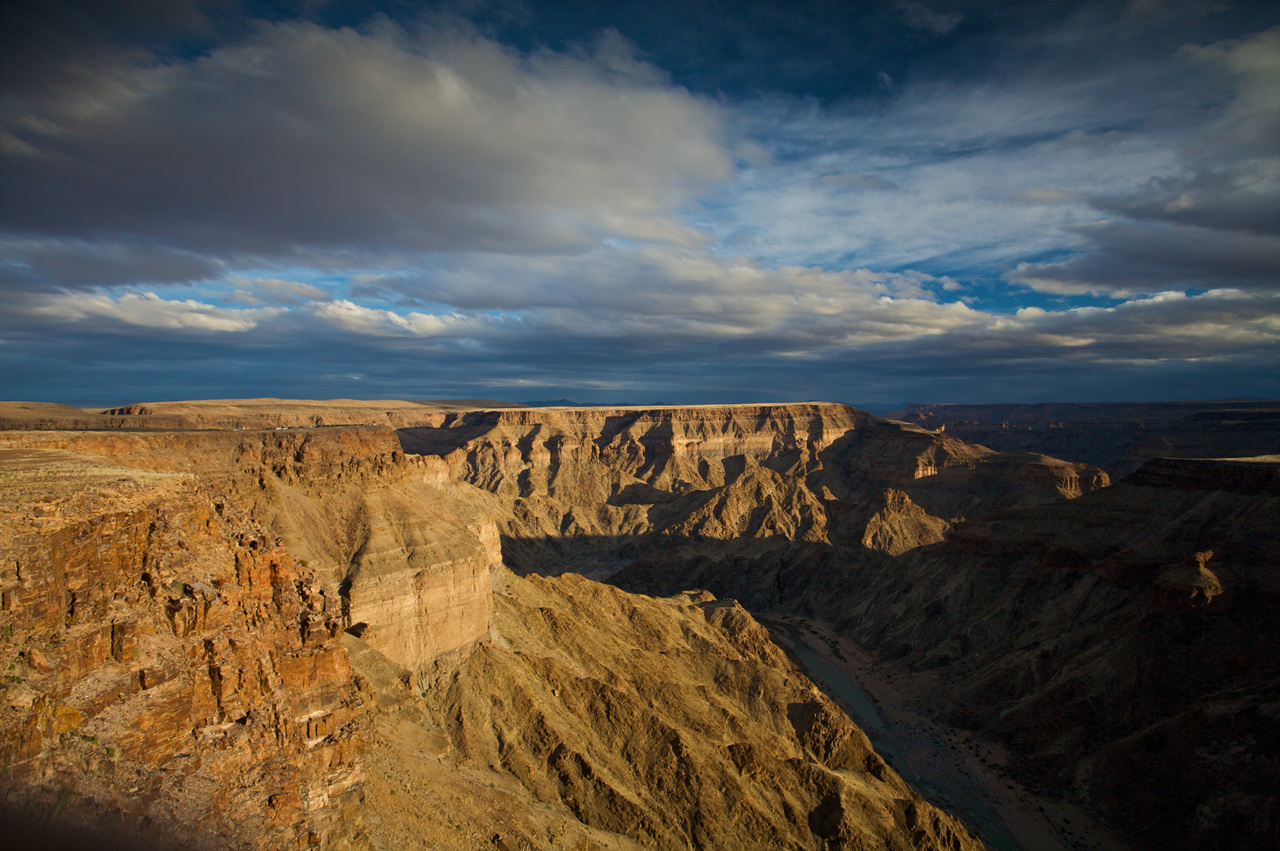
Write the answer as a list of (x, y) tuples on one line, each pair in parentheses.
[(1190, 585), (169, 669), (900, 525), (677, 722), (407, 554)]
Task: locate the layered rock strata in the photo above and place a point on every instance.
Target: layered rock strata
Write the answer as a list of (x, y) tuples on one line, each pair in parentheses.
[(407, 553), (593, 489), (170, 671)]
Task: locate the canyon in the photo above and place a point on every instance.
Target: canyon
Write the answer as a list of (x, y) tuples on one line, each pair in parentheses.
[(269, 623)]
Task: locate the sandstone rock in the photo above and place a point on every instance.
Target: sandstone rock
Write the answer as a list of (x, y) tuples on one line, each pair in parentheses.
[(677, 722), (154, 631), (901, 525), (1190, 585)]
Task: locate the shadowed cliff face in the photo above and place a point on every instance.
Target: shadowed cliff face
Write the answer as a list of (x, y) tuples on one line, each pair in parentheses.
[(1124, 645), (1118, 437)]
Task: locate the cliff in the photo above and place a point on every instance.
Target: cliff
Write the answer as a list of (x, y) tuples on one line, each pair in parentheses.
[(234, 414), (1118, 437), (593, 489), (170, 669), (383, 532)]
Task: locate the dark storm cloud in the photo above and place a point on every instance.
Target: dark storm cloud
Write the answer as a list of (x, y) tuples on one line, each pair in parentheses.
[(1216, 221), (1127, 257), (1237, 199), (45, 264), (302, 136)]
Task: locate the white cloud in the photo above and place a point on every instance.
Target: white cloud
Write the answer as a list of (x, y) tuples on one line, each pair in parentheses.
[(275, 291), (365, 321), (148, 310)]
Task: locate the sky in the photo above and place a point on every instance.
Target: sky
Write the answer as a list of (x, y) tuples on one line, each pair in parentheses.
[(873, 203)]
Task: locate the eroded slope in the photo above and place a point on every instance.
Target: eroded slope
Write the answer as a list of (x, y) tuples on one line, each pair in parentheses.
[(677, 722), (1123, 645)]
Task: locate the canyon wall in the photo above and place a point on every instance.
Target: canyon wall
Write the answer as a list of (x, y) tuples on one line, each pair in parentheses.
[(407, 553), (675, 721), (1119, 436), (1122, 645), (1079, 625), (1117, 640), (170, 671), (234, 414), (592, 490)]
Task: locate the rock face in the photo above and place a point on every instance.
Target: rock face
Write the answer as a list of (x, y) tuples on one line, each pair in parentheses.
[(1191, 584), (408, 554), (169, 668), (593, 489), (901, 525), (419, 589), (677, 722)]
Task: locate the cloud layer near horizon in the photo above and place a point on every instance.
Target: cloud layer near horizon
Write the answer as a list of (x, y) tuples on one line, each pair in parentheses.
[(416, 211)]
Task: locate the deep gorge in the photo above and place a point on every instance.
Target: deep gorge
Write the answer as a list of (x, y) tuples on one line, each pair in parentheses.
[(1063, 619)]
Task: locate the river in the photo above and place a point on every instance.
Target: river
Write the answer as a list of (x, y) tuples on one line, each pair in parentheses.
[(950, 768)]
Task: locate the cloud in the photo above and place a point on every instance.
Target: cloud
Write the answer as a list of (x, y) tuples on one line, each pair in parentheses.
[(304, 136), (369, 322), (416, 212), (863, 182), (667, 324), (925, 17), (666, 296), (146, 310), (49, 264), (1128, 257), (1215, 222), (275, 291)]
